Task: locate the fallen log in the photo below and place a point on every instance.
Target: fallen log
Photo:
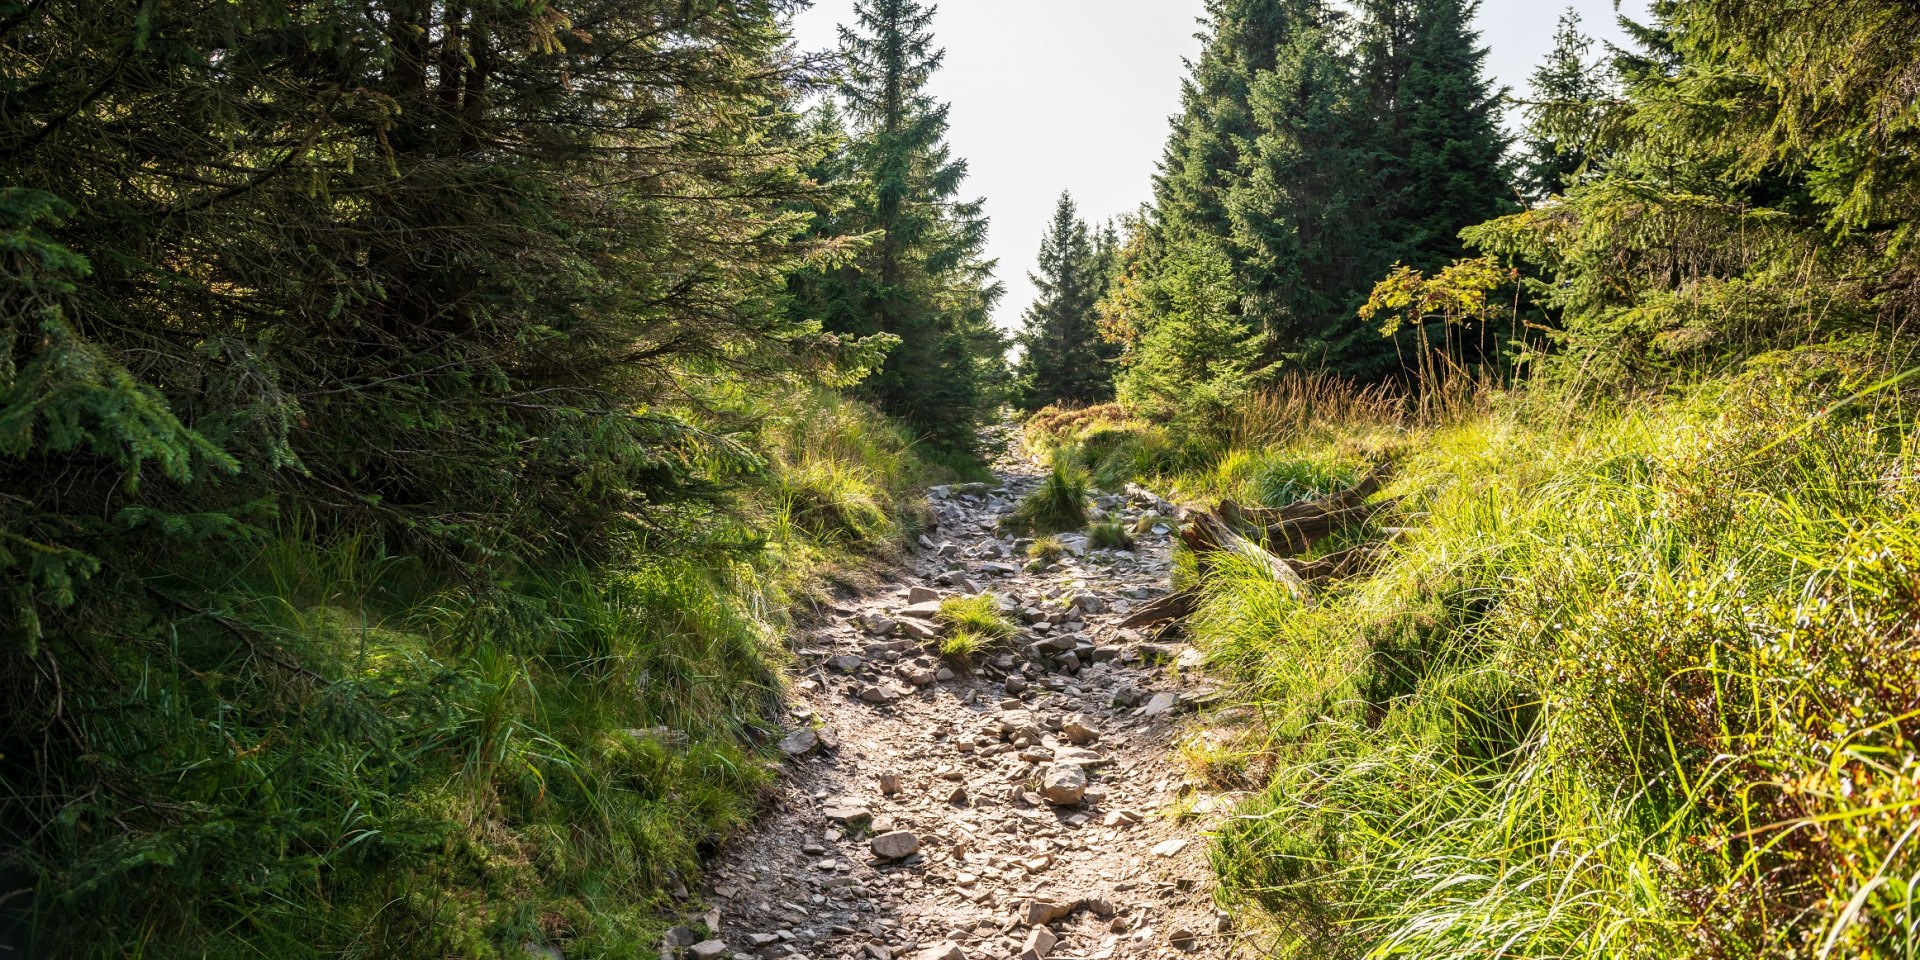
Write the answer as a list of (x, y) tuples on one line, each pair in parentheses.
[(1207, 533)]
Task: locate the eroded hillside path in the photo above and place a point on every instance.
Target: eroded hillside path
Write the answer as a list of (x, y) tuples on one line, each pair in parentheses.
[(931, 816)]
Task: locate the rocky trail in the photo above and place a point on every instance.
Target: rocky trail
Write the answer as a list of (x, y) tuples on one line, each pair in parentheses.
[(1033, 806)]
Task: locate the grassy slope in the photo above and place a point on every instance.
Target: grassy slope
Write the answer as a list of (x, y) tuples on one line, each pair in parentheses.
[(1645, 681), (414, 768)]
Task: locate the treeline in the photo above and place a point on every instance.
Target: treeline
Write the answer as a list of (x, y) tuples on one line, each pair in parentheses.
[(1317, 147), (400, 401), (1338, 196)]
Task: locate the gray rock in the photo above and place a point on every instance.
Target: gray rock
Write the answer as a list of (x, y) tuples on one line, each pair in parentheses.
[(853, 816), (897, 845), (846, 663), (1161, 703), (1184, 939), (878, 694), (799, 743), (889, 783), (1041, 912), (679, 937), (923, 611), (944, 950), (914, 629), (708, 950), (922, 595), (1079, 729), (1064, 785)]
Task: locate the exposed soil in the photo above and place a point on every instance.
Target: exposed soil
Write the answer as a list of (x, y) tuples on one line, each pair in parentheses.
[(934, 810)]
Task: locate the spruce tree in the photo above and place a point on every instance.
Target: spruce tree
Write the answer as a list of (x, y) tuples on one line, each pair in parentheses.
[(922, 278), (1203, 155), (1300, 218), (1440, 152), (1064, 360), (1565, 92)]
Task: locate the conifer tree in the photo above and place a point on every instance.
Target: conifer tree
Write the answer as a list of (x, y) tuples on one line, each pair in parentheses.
[(1435, 117), (1203, 156), (1063, 359), (1565, 91), (922, 278), (1300, 218)]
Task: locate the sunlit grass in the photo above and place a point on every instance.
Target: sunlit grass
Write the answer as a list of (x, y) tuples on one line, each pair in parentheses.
[(1641, 682)]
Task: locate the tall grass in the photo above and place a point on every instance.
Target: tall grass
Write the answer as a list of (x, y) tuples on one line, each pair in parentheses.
[(1645, 682), (338, 753)]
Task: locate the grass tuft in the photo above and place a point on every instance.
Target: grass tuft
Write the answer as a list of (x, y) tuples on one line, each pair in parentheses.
[(1058, 506), (1109, 536), (1046, 550), (979, 614)]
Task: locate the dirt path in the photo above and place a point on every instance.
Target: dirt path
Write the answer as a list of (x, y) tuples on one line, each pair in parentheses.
[(920, 821)]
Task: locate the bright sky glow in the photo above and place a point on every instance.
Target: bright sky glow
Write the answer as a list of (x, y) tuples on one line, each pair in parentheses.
[(1076, 94)]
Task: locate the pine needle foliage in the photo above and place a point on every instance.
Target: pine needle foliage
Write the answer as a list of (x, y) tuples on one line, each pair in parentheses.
[(381, 393), (918, 277)]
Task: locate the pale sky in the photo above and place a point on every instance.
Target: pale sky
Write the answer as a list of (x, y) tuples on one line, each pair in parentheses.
[(1049, 95)]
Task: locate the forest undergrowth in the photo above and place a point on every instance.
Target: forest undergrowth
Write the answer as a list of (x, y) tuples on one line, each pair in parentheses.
[(334, 751)]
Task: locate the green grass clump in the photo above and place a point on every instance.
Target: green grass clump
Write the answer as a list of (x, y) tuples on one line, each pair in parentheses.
[(1058, 506), (963, 644), (1109, 536), (977, 617), (1642, 684), (1046, 550), (972, 625)]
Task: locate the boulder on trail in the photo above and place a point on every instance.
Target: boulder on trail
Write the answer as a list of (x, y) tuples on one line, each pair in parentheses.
[(708, 950), (1064, 785), (1042, 912), (1040, 942), (1161, 703), (897, 845)]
